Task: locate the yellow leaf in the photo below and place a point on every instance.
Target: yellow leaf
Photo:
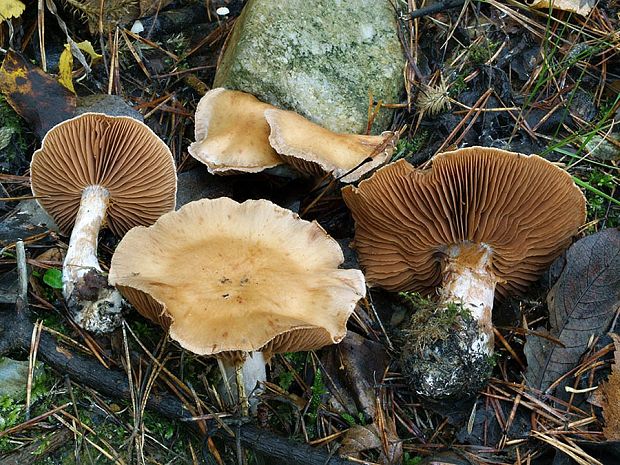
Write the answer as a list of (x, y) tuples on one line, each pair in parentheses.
[(65, 67), (10, 9), (87, 47), (65, 64)]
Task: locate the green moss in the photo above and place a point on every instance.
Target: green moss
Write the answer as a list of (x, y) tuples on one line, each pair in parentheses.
[(480, 53), (406, 148), (12, 140), (432, 322)]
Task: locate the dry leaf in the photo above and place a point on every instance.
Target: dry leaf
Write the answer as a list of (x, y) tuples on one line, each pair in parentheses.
[(355, 368), (582, 7), (581, 304), (610, 397), (65, 68), (65, 64), (116, 12), (11, 9), (361, 438), (358, 439), (35, 96)]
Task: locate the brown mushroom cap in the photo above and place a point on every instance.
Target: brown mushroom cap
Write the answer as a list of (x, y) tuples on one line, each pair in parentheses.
[(228, 276), (523, 207), (314, 150), (118, 153), (232, 134)]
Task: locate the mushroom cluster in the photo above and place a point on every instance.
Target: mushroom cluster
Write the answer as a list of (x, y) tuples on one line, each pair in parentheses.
[(95, 170), (479, 220), (235, 132), (238, 280)]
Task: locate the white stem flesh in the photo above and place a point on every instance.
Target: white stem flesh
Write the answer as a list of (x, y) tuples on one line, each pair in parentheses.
[(470, 283), (253, 371), (82, 253)]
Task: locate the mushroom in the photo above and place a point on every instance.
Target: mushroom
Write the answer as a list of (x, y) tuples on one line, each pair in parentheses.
[(480, 219), (232, 135), (238, 280), (95, 170), (315, 150)]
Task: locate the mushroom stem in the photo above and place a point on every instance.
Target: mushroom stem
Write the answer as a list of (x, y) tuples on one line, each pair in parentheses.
[(458, 363), (469, 282), (243, 378), (95, 306), (82, 253)]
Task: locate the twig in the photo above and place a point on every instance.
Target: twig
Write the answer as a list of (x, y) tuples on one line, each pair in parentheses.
[(15, 332), (435, 8), (22, 275)]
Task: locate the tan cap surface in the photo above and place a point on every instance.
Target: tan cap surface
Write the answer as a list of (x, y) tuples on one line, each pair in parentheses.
[(118, 153), (232, 134), (314, 150), (232, 276), (525, 208)]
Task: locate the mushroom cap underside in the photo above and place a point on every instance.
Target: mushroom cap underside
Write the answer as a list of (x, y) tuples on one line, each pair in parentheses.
[(119, 153), (523, 207), (227, 276)]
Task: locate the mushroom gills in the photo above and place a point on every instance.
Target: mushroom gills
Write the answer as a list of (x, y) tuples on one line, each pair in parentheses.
[(94, 305), (461, 361)]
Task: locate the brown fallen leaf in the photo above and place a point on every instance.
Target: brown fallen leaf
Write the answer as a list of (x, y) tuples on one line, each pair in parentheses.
[(609, 396), (581, 7), (360, 438), (117, 12), (355, 368), (34, 95), (582, 304)]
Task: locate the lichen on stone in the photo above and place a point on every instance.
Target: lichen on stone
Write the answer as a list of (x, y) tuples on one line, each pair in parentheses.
[(319, 58)]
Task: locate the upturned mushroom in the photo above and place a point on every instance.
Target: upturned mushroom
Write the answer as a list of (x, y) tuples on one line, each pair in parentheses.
[(315, 150), (231, 133), (479, 220), (95, 170), (238, 280)]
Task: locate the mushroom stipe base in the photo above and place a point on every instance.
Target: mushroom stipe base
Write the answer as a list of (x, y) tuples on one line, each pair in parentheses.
[(447, 368), (459, 362), (93, 304)]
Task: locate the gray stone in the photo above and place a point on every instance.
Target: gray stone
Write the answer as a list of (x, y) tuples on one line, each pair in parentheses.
[(602, 149), (14, 377), (319, 58), (9, 287), (28, 219), (111, 105), (199, 184)]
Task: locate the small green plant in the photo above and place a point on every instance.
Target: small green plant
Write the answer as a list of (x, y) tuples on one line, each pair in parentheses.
[(12, 409), (296, 360), (405, 148), (409, 459), (352, 420), (53, 278), (481, 53), (161, 427), (317, 390), (285, 380)]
